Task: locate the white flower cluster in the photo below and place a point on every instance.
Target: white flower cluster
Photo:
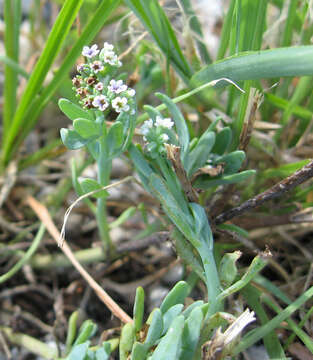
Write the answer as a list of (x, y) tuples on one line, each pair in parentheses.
[(157, 132), (106, 56), (91, 84), (159, 123)]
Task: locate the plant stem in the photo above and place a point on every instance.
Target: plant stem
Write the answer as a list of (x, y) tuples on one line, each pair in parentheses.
[(26, 256), (35, 346), (104, 171)]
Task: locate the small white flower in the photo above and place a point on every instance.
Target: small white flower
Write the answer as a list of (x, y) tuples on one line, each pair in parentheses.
[(117, 86), (164, 137), (109, 57), (131, 92), (107, 46), (120, 104), (100, 102), (99, 86), (146, 126), (81, 67), (167, 122), (132, 112), (90, 52), (97, 66)]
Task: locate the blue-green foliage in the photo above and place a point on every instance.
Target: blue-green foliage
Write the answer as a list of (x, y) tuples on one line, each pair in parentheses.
[(172, 333), (81, 350)]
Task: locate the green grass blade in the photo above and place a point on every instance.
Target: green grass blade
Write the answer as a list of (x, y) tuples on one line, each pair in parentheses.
[(12, 18), (259, 25), (226, 30), (283, 104), (290, 19), (156, 22), (14, 66), (282, 62), (26, 256), (271, 341), (195, 26), (293, 326), (87, 35), (302, 91), (305, 318), (258, 334), (54, 42)]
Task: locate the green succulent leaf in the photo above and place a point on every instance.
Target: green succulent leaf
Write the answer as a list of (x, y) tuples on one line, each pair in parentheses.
[(126, 340), (170, 315), (139, 307), (73, 111), (191, 334), (79, 351), (86, 331), (191, 307), (155, 329), (232, 160), (222, 142), (139, 351), (86, 128), (206, 183), (176, 296), (168, 347), (200, 153), (72, 140), (89, 185), (71, 330), (104, 352), (115, 137), (228, 269)]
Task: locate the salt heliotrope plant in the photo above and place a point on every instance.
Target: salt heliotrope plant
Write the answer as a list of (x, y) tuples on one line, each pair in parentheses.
[(176, 170), (101, 97)]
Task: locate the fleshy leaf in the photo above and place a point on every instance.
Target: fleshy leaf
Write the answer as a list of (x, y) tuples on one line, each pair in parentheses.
[(86, 128), (72, 140), (176, 296), (222, 142), (89, 185), (73, 111)]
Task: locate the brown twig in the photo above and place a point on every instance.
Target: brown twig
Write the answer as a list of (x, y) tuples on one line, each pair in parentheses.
[(158, 238), (173, 154), (275, 191), (43, 214)]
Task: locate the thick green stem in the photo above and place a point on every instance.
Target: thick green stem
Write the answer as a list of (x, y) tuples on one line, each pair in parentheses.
[(104, 171)]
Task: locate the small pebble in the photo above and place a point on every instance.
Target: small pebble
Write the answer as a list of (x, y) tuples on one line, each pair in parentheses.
[(156, 295)]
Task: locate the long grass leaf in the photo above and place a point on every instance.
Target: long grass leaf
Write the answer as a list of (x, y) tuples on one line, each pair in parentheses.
[(18, 70), (12, 18), (271, 341), (195, 26), (54, 42), (282, 62), (290, 19), (226, 30), (259, 333), (293, 326), (156, 22)]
